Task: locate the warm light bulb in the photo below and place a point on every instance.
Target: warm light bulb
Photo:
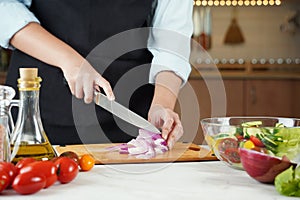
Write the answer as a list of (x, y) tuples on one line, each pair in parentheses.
[(234, 3), (259, 2), (253, 3), (216, 3), (198, 2), (247, 3), (278, 2), (271, 2), (222, 3), (204, 3), (240, 2), (228, 3), (210, 2), (265, 2)]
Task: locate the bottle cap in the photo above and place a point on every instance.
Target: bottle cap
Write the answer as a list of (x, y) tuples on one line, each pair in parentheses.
[(28, 73)]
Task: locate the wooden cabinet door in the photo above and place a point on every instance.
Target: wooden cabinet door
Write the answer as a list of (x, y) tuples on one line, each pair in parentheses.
[(296, 98), (269, 98)]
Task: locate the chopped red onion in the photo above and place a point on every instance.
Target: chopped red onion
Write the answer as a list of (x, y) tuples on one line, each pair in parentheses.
[(146, 145)]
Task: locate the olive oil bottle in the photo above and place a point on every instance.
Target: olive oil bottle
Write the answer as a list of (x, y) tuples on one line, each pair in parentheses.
[(28, 137)]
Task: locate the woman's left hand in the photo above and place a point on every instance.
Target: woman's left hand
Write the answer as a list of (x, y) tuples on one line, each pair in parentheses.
[(168, 121)]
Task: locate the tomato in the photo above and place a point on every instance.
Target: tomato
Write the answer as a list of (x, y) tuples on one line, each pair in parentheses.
[(257, 142), (227, 143), (4, 180), (23, 162), (29, 183), (67, 169), (10, 169), (70, 154), (45, 168), (232, 154), (86, 162)]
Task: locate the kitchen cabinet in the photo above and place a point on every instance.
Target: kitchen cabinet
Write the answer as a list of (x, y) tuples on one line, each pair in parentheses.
[(247, 96), (269, 97)]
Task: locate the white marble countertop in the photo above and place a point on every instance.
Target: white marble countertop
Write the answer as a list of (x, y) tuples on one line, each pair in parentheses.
[(187, 180)]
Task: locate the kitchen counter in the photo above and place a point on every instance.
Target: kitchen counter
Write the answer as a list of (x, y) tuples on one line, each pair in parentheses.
[(185, 180)]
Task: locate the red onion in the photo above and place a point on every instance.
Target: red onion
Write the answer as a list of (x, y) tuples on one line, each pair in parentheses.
[(146, 145)]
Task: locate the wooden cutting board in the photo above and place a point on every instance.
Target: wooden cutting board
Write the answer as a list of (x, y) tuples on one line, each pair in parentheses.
[(181, 152)]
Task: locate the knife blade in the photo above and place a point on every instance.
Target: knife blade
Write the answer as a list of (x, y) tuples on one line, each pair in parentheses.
[(123, 113)]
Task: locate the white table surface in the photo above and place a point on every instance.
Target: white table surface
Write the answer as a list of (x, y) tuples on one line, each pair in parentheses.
[(187, 180)]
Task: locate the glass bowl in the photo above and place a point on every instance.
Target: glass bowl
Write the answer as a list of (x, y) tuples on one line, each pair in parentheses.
[(275, 136)]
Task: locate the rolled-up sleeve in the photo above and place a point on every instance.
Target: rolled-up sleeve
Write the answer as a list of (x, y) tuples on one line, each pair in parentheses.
[(14, 16), (169, 39)]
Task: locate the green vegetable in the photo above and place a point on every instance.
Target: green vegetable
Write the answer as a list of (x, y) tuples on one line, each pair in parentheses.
[(251, 124), (289, 144), (288, 182)]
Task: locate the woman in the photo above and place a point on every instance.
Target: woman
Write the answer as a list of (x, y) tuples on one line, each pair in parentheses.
[(57, 35)]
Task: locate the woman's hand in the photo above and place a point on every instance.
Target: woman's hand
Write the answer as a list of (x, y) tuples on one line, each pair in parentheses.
[(83, 79), (168, 121)]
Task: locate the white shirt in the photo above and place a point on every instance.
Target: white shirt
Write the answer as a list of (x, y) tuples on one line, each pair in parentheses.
[(172, 15)]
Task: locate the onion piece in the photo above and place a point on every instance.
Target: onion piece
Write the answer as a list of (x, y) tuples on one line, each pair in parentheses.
[(146, 145)]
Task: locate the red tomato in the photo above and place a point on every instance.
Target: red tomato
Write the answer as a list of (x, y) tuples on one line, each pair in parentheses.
[(29, 183), (227, 143), (257, 142), (4, 180), (67, 169), (46, 168), (70, 154), (10, 169), (232, 154), (23, 162)]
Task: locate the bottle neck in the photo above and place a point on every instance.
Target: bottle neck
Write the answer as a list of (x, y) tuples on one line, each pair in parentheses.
[(29, 103)]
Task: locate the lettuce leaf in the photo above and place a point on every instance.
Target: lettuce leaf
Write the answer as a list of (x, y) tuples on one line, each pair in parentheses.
[(290, 144), (288, 182)]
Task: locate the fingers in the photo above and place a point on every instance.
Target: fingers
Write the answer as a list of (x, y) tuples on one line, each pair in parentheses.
[(175, 135), (88, 90), (172, 129), (84, 87), (106, 87)]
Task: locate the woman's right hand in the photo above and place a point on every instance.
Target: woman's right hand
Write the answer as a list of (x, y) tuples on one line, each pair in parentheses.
[(83, 79)]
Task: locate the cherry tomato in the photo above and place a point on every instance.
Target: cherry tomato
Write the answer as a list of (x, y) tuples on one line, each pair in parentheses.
[(227, 143), (23, 162), (86, 162), (29, 183), (67, 169), (257, 142), (232, 154), (10, 169), (70, 154), (4, 180), (46, 168)]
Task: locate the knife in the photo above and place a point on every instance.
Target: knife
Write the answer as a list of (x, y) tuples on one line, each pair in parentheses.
[(124, 113)]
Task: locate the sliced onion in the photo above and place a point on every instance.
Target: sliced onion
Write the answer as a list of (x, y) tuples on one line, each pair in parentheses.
[(146, 145)]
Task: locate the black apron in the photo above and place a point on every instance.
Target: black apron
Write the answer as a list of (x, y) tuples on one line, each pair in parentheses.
[(83, 24)]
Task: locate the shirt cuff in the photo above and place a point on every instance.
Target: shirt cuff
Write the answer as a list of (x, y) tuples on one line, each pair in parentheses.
[(16, 17), (166, 61)]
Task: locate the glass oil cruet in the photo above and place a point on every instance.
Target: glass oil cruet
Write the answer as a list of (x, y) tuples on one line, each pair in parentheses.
[(6, 124), (28, 137)]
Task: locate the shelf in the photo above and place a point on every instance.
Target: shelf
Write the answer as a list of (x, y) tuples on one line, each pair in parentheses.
[(246, 70)]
